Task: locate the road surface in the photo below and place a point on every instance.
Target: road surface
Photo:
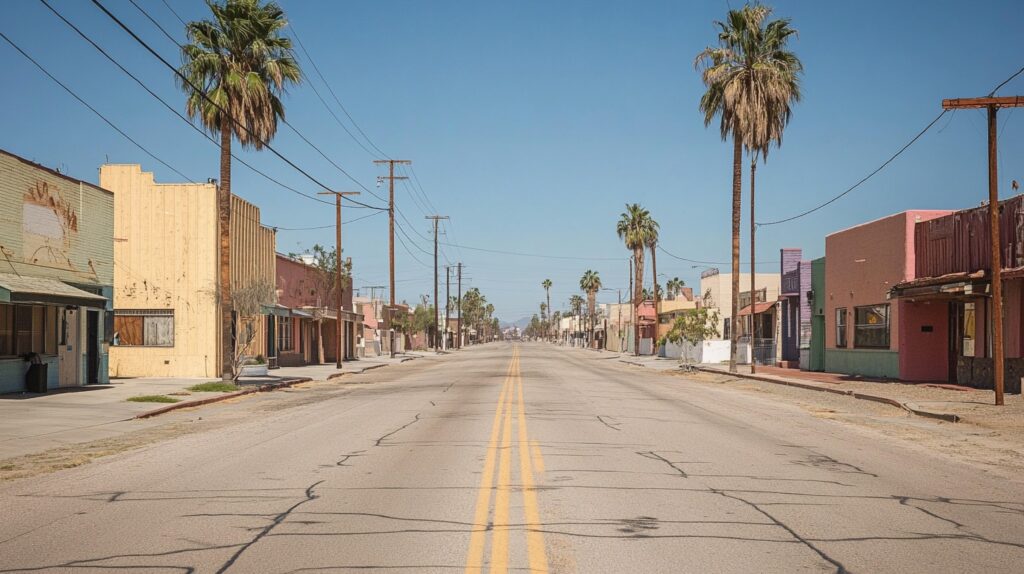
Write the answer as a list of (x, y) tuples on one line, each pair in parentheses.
[(517, 457)]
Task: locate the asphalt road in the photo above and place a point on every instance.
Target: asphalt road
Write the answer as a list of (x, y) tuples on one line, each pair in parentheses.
[(518, 458)]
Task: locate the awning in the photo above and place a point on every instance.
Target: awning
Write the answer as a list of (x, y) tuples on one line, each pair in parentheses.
[(758, 308), (279, 310), (951, 286), (43, 291)]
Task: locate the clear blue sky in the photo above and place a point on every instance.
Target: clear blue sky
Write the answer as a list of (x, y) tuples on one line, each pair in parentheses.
[(532, 123)]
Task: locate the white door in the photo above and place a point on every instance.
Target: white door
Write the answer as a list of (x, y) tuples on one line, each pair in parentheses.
[(69, 353)]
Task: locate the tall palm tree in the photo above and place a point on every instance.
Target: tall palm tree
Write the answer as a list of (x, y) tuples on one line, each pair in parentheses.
[(590, 284), (242, 64), (751, 79), (576, 304), (546, 284), (635, 228), (652, 244)]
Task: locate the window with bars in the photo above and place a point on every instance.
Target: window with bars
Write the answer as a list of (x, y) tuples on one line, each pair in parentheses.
[(144, 327)]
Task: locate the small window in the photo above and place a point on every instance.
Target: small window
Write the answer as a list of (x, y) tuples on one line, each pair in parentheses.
[(144, 327), (871, 327), (841, 327)]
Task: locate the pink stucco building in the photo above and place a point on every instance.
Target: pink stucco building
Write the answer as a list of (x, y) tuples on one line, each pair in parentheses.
[(865, 331)]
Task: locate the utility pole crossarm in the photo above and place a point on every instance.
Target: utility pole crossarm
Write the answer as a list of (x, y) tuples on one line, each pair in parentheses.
[(977, 103)]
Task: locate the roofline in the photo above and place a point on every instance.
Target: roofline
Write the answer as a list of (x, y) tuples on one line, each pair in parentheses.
[(904, 213), (54, 172)]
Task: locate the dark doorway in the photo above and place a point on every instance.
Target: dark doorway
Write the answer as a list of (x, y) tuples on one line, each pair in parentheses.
[(92, 347), (956, 338)]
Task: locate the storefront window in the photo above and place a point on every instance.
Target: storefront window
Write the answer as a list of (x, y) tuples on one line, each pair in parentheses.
[(6, 331), (871, 327), (284, 335), (841, 327), (144, 327)]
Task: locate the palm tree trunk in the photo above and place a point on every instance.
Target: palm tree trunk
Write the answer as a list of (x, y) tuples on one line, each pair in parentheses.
[(548, 293), (737, 205), (638, 297), (654, 270), (224, 227), (753, 268)]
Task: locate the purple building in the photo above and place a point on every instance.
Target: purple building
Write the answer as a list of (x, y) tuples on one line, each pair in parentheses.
[(795, 311)]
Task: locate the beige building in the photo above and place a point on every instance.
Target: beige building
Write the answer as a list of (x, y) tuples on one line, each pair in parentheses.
[(166, 306), (718, 286)]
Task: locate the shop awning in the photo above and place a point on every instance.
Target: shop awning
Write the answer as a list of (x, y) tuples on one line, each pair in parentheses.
[(758, 308), (43, 291), (279, 310), (948, 286)]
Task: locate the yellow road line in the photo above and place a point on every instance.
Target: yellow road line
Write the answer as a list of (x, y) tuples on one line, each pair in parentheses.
[(502, 496), (474, 560), (534, 537)]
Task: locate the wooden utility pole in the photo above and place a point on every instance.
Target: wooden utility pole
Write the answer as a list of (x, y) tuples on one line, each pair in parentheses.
[(753, 274), (391, 177), (458, 324), (337, 272), (447, 301), (437, 304), (992, 104)]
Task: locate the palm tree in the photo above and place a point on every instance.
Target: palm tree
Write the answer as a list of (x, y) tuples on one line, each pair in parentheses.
[(590, 284), (576, 304), (751, 80), (635, 228), (546, 284), (652, 244), (242, 64), (673, 287)]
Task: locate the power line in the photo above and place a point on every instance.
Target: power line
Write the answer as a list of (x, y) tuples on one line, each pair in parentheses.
[(521, 254), (173, 12), (864, 179), (360, 218), (92, 109), (886, 163), (335, 96), (404, 246), (203, 94), (672, 255), (176, 112)]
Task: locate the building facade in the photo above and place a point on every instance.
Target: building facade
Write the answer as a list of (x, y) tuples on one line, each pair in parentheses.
[(56, 277), (794, 308), (718, 287), (947, 318), (863, 328), (166, 252)]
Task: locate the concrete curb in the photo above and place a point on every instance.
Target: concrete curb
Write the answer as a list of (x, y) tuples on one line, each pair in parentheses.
[(223, 397), (911, 408)]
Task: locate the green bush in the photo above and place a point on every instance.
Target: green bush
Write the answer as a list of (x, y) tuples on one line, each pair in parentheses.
[(153, 399)]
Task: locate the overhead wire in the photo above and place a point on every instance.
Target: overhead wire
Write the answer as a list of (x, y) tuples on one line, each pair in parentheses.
[(884, 164), (92, 109), (201, 93)]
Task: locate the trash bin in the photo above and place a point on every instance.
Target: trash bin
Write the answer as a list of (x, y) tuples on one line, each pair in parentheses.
[(35, 378)]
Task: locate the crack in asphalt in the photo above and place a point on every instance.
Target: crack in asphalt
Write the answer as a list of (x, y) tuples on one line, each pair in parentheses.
[(840, 569), (310, 495), (655, 456), (345, 458), (607, 424), (397, 430)]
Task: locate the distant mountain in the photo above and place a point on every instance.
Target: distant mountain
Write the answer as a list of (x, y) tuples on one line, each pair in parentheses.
[(521, 323)]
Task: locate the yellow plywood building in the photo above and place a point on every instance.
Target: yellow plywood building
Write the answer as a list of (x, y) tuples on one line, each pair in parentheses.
[(166, 306)]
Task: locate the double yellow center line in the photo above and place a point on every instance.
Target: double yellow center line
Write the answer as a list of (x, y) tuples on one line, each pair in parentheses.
[(499, 452)]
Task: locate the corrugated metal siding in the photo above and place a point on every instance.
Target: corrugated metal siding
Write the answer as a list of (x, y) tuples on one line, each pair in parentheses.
[(959, 242), (253, 254)]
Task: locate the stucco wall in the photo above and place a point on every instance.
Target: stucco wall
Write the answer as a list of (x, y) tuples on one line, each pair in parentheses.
[(720, 287)]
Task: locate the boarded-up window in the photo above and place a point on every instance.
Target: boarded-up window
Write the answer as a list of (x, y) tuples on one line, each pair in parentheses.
[(144, 327)]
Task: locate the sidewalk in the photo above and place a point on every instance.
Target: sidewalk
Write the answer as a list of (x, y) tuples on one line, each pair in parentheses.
[(951, 403), (32, 423)]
